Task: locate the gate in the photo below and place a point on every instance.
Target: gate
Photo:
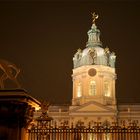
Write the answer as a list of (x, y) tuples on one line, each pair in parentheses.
[(43, 129)]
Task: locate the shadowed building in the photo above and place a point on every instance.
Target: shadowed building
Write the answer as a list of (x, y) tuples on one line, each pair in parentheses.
[(16, 106), (16, 113)]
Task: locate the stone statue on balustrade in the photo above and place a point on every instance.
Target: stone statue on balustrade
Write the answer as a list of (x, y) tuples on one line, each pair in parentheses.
[(77, 57), (8, 71), (110, 57), (93, 55), (107, 55)]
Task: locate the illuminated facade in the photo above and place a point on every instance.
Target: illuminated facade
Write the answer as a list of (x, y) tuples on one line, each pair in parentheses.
[(93, 81), (94, 97)]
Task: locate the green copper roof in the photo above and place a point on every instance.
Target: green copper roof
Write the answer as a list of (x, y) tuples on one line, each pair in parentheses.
[(94, 53)]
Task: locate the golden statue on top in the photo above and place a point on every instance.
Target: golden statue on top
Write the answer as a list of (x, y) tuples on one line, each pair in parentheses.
[(9, 71), (94, 17)]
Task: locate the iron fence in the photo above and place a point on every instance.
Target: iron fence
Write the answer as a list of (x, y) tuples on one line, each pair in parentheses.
[(44, 131)]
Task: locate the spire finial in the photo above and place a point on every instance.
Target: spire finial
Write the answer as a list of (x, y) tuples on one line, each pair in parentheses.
[(94, 17)]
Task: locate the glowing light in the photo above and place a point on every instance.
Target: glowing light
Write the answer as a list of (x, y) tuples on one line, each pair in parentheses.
[(37, 108), (79, 91), (107, 89), (92, 88)]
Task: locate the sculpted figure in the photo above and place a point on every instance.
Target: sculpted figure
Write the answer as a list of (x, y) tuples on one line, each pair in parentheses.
[(93, 55), (77, 57), (107, 53), (10, 71), (112, 59), (44, 107), (79, 54)]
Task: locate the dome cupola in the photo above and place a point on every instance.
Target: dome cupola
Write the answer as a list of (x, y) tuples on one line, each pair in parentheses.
[(94, 72), (94, 53), (94, 34)]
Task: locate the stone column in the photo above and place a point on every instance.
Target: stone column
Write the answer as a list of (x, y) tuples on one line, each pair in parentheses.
[(16, 113)]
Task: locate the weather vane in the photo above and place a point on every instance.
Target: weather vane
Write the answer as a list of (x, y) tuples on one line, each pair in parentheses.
[(94, 17)]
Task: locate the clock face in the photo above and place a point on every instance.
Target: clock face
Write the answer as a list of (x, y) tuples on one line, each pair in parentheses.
[(92, 72)]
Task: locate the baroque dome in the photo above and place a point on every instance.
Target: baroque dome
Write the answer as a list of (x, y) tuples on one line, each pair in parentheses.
[(94, 53)]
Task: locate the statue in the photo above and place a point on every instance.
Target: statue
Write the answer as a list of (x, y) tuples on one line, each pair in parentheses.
[(107, 53), (77, 57), (79, 54), (10, 71), (112, 59), (94, 17), (93, 54), (44, 119), (44, 107)]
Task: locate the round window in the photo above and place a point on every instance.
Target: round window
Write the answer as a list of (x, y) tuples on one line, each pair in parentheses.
[(92, 72)]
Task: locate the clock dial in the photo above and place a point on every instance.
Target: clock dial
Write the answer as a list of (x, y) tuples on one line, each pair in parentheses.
[(92, 72)]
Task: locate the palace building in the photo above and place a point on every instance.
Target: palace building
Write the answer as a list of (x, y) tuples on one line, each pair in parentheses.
[(94, 113), (94, 96)]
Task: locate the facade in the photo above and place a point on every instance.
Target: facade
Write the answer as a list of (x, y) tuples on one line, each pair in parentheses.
[(94, 97)]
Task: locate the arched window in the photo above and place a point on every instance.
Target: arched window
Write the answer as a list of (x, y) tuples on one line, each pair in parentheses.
[(107, 136), (92, 136), (79, 90), (107, 88), (92, 88)]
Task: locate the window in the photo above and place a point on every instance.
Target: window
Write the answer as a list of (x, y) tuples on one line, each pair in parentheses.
[(92, 88), (107, 88), (107, 136), (92, 136), (79, 90)]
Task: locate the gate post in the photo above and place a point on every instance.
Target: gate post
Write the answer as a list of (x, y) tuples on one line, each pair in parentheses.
[(16, 113)]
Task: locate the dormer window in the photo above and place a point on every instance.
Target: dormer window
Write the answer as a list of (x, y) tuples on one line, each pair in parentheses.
[(92, 88)]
